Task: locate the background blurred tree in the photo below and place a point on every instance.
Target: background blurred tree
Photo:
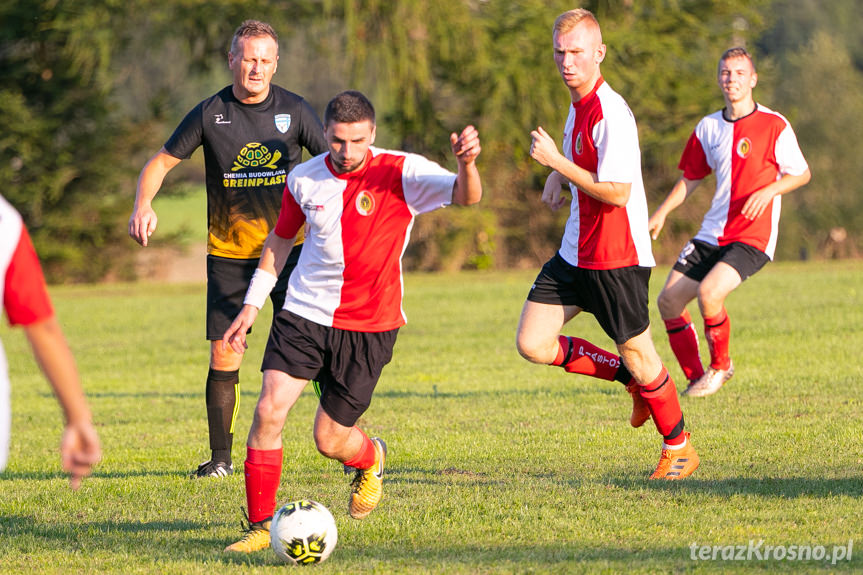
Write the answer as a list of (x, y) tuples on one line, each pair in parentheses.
[(816, 51), (94, 87), (60, 163)]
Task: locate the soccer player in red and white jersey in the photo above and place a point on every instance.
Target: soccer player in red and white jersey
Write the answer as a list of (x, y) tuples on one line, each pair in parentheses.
[(26, 301), (343, 307), (604, 261), (754, 153)]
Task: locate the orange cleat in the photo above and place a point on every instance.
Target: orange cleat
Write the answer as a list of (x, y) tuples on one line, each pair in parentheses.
[(640, 411), (677, 463)]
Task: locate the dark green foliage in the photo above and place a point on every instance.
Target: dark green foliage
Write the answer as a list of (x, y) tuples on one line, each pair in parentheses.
[(92, 88)]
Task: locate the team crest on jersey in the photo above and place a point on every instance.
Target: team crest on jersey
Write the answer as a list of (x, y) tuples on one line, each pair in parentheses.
[(744, 146), (579, 145), (283, 122), (365, 203)]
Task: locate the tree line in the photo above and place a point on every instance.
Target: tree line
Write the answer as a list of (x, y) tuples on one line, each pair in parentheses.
[(93, 87)]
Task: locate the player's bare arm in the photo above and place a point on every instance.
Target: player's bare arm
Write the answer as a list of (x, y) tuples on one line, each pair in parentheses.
[(552, 192), (760, 199), (678, 194), (273, 257), (544, 150), (466, 146), (143, 220), (79, 448)]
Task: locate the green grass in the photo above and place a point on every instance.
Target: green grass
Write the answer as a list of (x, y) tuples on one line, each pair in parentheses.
[(182, 215), (496, 465)]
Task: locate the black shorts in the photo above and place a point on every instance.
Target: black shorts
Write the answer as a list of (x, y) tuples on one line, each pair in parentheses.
[(697, 259), (346, 364), (227, 282), (617, 298)]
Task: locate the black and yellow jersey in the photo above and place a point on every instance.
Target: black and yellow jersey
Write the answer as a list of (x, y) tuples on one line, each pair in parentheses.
[(248, 151)]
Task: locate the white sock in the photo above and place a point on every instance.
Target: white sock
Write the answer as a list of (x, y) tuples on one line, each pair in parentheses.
[(673, 447)]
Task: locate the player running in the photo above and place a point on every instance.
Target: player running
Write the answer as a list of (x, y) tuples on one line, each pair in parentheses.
[(756, 158), (604, 261), (253, 133), (343, 307)]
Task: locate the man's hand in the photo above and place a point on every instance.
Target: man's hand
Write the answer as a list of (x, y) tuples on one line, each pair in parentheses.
[(79, 451), (543, 149), (655, 224), (466, 146), (235, 336), (756, 203), (552, 193), (142, 224)]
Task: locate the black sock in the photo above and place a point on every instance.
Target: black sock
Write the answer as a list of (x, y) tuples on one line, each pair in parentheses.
[(222, 398), (623, 375)]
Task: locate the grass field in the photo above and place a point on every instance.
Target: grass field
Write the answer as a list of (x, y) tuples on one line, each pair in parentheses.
[(496, 465)]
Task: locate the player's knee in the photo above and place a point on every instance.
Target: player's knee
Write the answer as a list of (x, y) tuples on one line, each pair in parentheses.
[(709, 297), (666, 304), (532, 349), (327, 445)]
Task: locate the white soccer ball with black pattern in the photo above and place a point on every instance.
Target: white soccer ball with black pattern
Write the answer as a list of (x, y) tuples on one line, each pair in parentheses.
[(303, 532)]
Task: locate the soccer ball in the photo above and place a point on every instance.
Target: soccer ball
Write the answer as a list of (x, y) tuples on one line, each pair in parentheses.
[(303, 532)]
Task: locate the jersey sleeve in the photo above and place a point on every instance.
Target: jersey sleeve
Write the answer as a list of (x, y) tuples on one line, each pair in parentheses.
[(188, 135), (693, 162), (788, 154), (25, 297), (311, 135), (616, 139), (427, 186), (291, 216)]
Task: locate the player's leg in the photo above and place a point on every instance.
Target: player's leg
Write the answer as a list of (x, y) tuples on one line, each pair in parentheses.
[(263, 465), (354, 449), (678, 291), (737, 262), (678, 458), (714, 289), (353, 367), (227, 281), (555, 299)]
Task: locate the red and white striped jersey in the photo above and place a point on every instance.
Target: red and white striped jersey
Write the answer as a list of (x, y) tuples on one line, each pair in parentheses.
[(601, 137), (349, 275), (746, 155), (24, 297), (22, 288)]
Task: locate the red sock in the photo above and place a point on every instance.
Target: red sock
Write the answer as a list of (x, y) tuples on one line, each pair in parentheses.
[(365, 458), (718, 332), (684, 343), (263, 471), (661, 398), (580, 356)]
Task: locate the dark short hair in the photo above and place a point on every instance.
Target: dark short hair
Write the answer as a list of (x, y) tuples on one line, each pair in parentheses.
[(349, 107), (252, 29), (737, 52)]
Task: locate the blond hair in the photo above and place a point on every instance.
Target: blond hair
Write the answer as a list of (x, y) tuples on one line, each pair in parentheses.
[(570, 19)]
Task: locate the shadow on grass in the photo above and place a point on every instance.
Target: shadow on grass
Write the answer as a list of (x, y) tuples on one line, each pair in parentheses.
[(778, 487), (48, 475), (536, 392)]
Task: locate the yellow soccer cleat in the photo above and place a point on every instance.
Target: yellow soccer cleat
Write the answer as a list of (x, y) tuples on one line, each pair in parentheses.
[(640, 411), (677, 463), (255, 538), (367, 486)]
